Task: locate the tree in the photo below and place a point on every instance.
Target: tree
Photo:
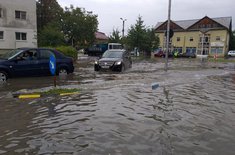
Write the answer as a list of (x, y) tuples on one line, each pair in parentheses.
[(78, 26), (141, 37), (232, 41), (151, 41), (135, 36), (115, 37), (47, 11)]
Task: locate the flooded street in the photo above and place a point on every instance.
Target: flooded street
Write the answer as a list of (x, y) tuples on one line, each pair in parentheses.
[(192, 112)]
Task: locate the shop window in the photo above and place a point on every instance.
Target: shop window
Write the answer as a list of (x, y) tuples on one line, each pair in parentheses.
[(217, 50), (178, 49), (191, 50)]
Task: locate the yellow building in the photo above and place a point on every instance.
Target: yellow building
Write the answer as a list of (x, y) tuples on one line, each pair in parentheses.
[(206, 36)]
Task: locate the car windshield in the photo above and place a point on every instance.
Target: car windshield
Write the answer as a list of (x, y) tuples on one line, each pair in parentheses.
[(11, 54), (112, 54)]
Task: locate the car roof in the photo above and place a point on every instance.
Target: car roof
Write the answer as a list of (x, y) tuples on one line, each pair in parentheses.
[(27, 48), (57, 53)]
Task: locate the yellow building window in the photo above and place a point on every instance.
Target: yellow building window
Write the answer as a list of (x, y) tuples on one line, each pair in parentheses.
[(178, 39), (191, 39), (217, 38)]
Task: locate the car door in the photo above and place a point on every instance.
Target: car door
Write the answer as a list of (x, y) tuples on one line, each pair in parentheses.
[(25, 64), (44, 58)]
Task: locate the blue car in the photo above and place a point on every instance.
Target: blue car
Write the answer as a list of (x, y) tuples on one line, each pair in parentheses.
[(25, 62)]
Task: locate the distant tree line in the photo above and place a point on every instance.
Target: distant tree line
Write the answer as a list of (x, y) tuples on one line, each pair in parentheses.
[(76, 27)]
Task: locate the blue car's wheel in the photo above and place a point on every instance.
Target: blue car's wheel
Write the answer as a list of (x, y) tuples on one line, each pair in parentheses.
[(62, 71), (3, 76)]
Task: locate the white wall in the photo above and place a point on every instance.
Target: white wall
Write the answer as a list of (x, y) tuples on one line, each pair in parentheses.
[(10, 25)]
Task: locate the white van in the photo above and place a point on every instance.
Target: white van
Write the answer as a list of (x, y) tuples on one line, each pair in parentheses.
[(114, 46)]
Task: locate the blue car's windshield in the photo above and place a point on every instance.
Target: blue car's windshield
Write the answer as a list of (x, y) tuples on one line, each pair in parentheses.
[(11, 54), (112, 54)]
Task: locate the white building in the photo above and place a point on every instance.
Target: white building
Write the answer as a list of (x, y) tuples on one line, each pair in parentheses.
[(18, 24)]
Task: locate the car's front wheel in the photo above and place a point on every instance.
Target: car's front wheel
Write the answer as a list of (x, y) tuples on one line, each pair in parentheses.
[(122, 68), (62, 71), (96, 68), (3, 76)]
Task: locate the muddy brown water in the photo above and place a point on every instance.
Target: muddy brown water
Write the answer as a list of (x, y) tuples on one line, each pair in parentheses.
[(192, 112)]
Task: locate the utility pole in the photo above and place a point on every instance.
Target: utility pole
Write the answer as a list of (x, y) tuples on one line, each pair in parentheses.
[(168, 35), (123, 25)]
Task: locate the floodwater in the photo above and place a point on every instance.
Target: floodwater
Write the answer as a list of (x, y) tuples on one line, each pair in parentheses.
[(192, 112)]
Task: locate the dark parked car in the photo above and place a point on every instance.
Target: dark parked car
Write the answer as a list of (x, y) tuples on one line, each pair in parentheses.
[(33, 62), (159, 53), (114, 60), (189, 54)]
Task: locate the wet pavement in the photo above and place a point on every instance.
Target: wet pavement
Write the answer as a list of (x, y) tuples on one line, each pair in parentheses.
[(192, 112)]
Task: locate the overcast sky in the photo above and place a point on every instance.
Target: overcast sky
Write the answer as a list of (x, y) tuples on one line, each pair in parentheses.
[(152, 11)]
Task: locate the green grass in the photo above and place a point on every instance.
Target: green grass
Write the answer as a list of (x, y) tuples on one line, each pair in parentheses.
[(54, 91)]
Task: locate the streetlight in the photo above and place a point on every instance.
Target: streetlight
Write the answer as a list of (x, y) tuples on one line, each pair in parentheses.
[(123, 23), (168, 35)]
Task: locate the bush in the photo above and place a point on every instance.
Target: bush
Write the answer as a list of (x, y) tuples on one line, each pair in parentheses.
[(68, 51)]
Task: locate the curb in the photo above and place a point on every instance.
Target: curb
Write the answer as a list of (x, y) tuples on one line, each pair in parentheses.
[(34, 96), (25, 96)]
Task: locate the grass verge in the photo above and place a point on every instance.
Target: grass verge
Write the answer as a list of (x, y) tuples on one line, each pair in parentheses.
[(221, 60), (55, 91)]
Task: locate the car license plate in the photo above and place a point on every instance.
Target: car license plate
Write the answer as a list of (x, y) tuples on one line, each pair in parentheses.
[(105, 67)]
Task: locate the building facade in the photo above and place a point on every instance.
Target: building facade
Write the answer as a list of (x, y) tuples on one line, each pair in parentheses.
[(206, 36), (18, 24)]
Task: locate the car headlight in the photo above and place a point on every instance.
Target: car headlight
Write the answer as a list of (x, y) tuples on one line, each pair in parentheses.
[(96, 62), (118, 63)]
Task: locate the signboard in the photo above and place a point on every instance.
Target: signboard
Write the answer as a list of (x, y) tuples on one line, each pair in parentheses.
[(52, 64)]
